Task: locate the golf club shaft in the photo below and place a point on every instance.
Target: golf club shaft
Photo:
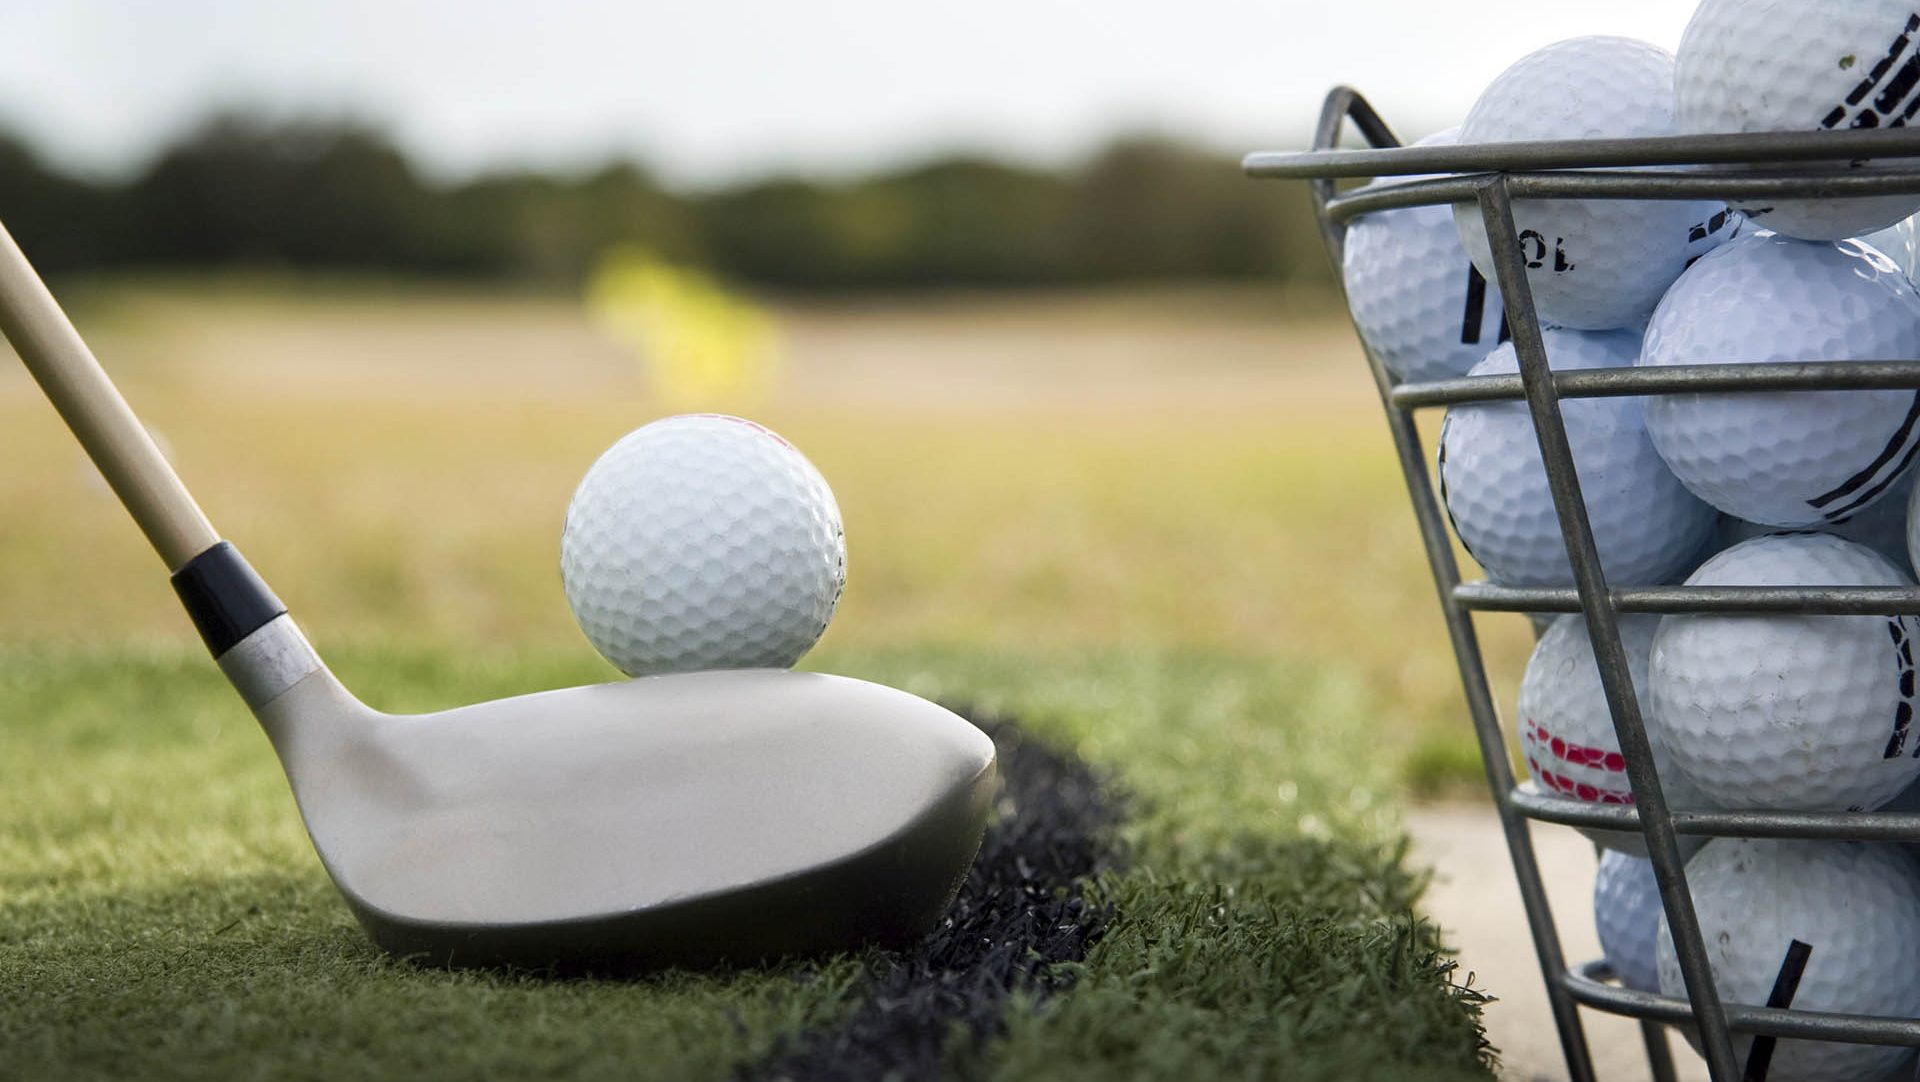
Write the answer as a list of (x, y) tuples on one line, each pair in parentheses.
[(92, 407)]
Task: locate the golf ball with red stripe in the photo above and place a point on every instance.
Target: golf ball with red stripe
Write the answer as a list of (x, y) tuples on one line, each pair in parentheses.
[(1566, 730)]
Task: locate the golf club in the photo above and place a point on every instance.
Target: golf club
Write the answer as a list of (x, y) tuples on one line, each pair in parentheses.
[(670, 820)]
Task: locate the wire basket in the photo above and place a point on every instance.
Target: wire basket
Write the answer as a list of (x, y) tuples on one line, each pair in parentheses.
[(1671, 168)]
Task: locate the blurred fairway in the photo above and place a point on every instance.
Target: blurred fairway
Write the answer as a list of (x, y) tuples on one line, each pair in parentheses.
[(1163, 530), (1143, 470)]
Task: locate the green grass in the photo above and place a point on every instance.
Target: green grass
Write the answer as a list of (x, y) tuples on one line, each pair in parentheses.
[(1445, 764), (1265, 924), (162, 916)]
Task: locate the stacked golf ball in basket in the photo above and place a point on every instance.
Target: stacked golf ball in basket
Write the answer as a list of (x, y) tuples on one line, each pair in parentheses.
[(1812, 713)]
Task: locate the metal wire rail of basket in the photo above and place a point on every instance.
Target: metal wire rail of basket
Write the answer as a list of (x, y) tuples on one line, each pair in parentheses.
[(1800, 164)]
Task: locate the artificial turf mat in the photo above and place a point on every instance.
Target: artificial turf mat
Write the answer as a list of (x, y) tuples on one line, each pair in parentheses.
[(162, 915), (1020, 916)]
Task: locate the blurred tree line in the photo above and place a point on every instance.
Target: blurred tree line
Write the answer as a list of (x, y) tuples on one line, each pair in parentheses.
[(341, 196)]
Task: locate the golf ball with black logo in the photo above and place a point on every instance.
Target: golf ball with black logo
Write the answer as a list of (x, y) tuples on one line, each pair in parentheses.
[(1566, 729), (703, 542), (1807, 713), (1626, 913), (1790, 458), (1595, 264), (1421, 306), (1803, 65), (1647, 526), (1814, 925), (1882, 526)]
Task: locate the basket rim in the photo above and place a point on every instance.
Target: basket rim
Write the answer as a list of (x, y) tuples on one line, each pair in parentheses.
[(1829, 153)]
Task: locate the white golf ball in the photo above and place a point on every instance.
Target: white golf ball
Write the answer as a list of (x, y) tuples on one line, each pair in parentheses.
[(1810, 713), (702, 542), (1595, 264), (1798, 458), (1803, 65), (1626, 913), (1566, 729), (1422, 307), (1852, 907), (1646, 525)]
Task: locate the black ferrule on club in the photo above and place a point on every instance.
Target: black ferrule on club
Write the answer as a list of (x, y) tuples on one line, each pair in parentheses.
[(225, 597)]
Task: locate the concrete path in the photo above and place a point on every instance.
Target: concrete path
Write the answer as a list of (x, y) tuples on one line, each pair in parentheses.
[(1475, 899)]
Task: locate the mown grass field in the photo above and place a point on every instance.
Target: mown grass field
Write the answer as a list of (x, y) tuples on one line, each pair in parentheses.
[(1163, 530)]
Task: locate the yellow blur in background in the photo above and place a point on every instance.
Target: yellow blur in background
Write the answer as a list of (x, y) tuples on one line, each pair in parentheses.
[(702, 345)]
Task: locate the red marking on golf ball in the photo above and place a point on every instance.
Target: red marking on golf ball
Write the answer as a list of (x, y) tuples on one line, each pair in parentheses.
[(1578, 754), (1592, 794)]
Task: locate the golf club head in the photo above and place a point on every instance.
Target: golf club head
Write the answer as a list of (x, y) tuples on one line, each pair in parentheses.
[(675, 819), (670, 820)]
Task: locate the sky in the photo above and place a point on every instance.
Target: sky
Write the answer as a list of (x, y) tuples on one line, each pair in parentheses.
[(709, 92)]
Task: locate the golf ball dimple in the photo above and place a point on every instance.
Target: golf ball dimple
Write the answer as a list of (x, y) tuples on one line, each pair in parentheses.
[(702, 542), (1422, 307), (1595, 264), (1841, 914), (1646, 525), (1790, 458), (1803, 65), (1626, 913), (1804, 713), (1566, 729)]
